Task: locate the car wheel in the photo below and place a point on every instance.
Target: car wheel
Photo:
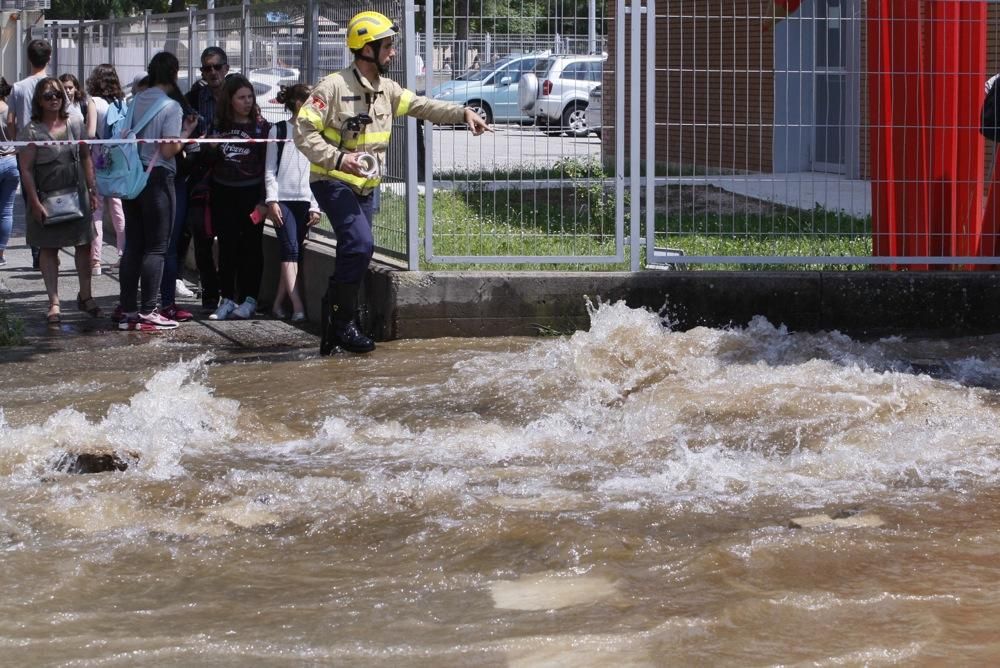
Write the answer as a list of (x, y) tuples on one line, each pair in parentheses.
[(527, 91), (482, 110), (574, 120)]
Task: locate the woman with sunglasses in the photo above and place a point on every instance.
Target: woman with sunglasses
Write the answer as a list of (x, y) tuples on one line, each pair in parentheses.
[(66, 170)]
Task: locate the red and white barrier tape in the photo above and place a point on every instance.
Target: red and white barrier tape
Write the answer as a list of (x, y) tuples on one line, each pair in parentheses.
[(204, 140)]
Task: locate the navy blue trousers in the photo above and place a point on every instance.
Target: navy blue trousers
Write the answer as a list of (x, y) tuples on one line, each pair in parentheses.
[(351, 216)]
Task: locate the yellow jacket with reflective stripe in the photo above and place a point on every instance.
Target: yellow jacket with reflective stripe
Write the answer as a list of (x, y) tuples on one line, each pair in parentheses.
[(320, 131)]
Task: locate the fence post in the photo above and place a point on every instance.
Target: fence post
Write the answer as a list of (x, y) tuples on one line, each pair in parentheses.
[(412, 214), (79, 50), (111, 39), (621, 13), (428, 136), (192, 51), (145, 43), (635, 131), (650, 128), (245, 37), (311, 60)]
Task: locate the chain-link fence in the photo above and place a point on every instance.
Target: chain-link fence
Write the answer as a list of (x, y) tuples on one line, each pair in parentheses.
[(762, 132)]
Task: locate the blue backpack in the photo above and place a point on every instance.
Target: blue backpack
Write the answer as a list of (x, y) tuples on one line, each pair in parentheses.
[(118, 167)]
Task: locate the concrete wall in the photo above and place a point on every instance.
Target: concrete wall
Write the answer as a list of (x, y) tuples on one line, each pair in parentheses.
[(402, 304)]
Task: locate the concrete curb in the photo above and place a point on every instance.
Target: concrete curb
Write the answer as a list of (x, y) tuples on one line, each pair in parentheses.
[(403, 304)]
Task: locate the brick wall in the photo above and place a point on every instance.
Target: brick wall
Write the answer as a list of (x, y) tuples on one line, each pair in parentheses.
[(715, 85)]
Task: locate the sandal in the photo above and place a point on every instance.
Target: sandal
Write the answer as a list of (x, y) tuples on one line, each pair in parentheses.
[(89, 306), (53, 316)]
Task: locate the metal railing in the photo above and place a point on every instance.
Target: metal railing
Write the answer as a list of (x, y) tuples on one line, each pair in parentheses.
[(726, 136)]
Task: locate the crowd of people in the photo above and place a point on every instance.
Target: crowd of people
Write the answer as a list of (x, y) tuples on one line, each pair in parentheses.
[(214, 195), (205, 194)]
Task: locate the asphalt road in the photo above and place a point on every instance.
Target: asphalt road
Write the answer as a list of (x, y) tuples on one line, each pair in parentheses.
[(507, 146)]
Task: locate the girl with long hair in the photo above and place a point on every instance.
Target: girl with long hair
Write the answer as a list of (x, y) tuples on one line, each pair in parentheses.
[(105, 91), (291, 206), (149, 217), (238, 198)]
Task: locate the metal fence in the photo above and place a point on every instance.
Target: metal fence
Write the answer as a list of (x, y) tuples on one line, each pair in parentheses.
[(752, 133)]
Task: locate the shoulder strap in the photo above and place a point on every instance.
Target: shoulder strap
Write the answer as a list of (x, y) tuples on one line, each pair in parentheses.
[(72, 137), (280, 132), (153, 111)]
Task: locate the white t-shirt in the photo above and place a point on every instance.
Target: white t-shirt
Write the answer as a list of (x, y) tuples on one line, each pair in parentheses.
[(20, 99), (101, 107), (289, 181)]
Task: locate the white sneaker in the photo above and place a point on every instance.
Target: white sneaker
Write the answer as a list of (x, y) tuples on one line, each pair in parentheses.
[(299, 316), (224, 311), (245, 310), (182, 290), (156, 320)]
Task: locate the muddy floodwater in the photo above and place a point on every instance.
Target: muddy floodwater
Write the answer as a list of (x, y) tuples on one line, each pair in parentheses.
[(618, 497)]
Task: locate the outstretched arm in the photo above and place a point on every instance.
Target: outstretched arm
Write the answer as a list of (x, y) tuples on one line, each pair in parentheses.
[(475, 123)]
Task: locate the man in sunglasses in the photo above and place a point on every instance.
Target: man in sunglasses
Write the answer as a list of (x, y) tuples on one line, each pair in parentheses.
[(203, 97)]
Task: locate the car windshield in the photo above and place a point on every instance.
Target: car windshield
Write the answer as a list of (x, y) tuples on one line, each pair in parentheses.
[(481, 74)]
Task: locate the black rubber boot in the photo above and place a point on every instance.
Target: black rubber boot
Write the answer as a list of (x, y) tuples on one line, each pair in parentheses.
[(339, 328)]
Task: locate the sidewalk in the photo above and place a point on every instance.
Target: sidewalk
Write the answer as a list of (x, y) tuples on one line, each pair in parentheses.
[(24, 294)]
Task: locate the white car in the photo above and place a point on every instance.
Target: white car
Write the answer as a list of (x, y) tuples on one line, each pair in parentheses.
[(593, 113), (267, 81), (556, 93)]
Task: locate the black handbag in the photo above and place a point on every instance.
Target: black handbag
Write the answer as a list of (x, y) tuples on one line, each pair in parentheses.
[(66, 203), (61, 206)]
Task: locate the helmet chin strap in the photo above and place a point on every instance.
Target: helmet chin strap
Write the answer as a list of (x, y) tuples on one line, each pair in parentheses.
[(376, 47)]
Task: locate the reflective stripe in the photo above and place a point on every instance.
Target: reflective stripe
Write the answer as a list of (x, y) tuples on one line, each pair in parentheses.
[(404, 102), (331, 135), (308, 113), (371, 138), (356, 181)]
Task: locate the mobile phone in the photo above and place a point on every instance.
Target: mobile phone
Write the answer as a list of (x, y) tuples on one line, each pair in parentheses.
[(255, 216)]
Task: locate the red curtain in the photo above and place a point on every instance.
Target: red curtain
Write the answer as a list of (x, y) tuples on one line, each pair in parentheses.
[(927, 65)]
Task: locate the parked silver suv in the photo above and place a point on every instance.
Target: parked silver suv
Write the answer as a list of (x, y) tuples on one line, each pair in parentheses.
[(555, 94)]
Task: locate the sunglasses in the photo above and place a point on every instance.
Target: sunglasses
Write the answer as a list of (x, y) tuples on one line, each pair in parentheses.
[(213, 68), (51, 95)]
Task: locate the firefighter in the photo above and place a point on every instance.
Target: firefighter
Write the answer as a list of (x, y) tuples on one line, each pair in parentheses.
[(343, 129)]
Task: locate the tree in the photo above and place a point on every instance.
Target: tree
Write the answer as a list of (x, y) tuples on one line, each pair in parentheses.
[(102, 9)]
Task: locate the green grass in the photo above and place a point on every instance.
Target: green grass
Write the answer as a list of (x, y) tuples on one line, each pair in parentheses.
[(818, 233), (578, 220)]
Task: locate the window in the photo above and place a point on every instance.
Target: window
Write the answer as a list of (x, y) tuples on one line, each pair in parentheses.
[(575, 71)]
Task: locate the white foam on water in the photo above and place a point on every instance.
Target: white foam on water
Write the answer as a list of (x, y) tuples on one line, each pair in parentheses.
[(175, 411), (708, 417), (550, 591), (626, 415)]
